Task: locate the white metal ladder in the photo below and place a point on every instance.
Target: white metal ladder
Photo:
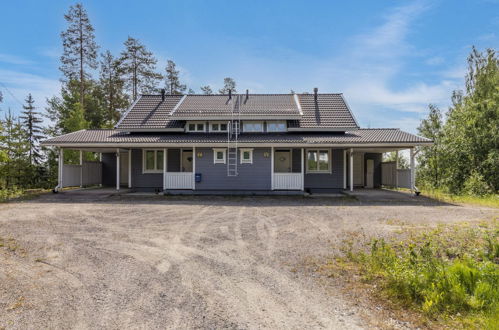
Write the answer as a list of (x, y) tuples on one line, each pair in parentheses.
[(234, 128)]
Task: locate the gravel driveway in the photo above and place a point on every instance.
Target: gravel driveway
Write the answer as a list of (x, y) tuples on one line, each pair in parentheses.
[(96, 261)]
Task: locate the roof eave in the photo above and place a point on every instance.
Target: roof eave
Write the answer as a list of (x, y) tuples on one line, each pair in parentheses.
[(241, 117)]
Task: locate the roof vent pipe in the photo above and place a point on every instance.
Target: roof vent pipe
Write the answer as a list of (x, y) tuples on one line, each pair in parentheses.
[(230, 94), (163, 94), (247, 94)]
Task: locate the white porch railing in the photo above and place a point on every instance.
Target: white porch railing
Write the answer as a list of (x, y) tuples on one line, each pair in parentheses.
[(178, 180), (288, 181)]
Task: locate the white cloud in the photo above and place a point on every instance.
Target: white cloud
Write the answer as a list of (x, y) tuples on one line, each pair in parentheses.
[(21, 84), (13, 59), (372, 67), (435, 60)]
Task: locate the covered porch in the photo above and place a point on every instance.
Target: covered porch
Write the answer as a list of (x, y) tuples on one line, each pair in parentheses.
[(322, 169)]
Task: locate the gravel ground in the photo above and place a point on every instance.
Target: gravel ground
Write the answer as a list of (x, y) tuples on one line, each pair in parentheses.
[(89, 260)]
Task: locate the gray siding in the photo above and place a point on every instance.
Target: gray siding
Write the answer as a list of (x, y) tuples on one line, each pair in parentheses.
[(327, 182), (109, 169), (256, 176), (377, 157), (144, 181)]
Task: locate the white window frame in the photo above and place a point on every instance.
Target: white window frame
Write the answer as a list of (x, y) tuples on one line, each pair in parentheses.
[(219, 130), (195, 123), (252, 122), (246, 161), (328, 171), (277, 123), (219, 161), (155, 170)]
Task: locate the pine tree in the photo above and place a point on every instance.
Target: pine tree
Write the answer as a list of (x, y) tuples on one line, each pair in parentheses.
[(34, 132), (80, 49), (229, 84), (15, 148), (191, 91), (112, 85), (206, 90), (139, 66), (172, 83)]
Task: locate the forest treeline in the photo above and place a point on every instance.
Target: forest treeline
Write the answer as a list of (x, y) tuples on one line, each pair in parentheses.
[(97, 86)]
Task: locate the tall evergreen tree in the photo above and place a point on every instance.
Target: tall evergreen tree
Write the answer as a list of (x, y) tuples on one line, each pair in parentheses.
[(206, 90), (15, 148), (229, 84), (112, 85), (34, 132), (79, 48), (139, 67), (429, 159), (191, 91), (172, 80)]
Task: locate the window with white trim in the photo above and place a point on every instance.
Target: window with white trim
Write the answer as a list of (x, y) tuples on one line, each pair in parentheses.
[(253, 126), (195, 127), (218, 126), (319, 161), (152, 161), (246, 156), (276, 126), (219, 155)]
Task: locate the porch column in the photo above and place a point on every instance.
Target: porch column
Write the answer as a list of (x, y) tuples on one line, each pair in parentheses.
[(118, 169), (413, 171), (302, 169), (129, 168), (351, 169), (272, 168), (344, 169), (164, 169), (396, 169), (81, 169), (100, 160), (61, 166), (193, 168)]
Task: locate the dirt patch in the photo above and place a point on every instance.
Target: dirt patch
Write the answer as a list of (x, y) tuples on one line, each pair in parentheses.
[(189, 262)]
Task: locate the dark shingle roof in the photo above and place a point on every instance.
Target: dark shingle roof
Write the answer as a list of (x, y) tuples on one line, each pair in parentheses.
[(151, 112), (258, 105), (355, 137), (328, 111)]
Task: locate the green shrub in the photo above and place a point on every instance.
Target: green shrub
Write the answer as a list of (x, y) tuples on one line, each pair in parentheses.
[(475, 185), (423, 273), (6, 194)]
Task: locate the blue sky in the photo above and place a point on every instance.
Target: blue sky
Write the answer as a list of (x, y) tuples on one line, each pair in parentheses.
[(389, 58)]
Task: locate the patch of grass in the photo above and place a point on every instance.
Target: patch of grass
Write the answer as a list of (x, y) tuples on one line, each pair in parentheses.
[(449, 275), (13, 246), (487, 200), (20, 194), (8, 194), (17, 304)]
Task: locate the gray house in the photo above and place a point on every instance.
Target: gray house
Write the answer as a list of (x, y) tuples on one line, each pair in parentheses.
[(252, 143)]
